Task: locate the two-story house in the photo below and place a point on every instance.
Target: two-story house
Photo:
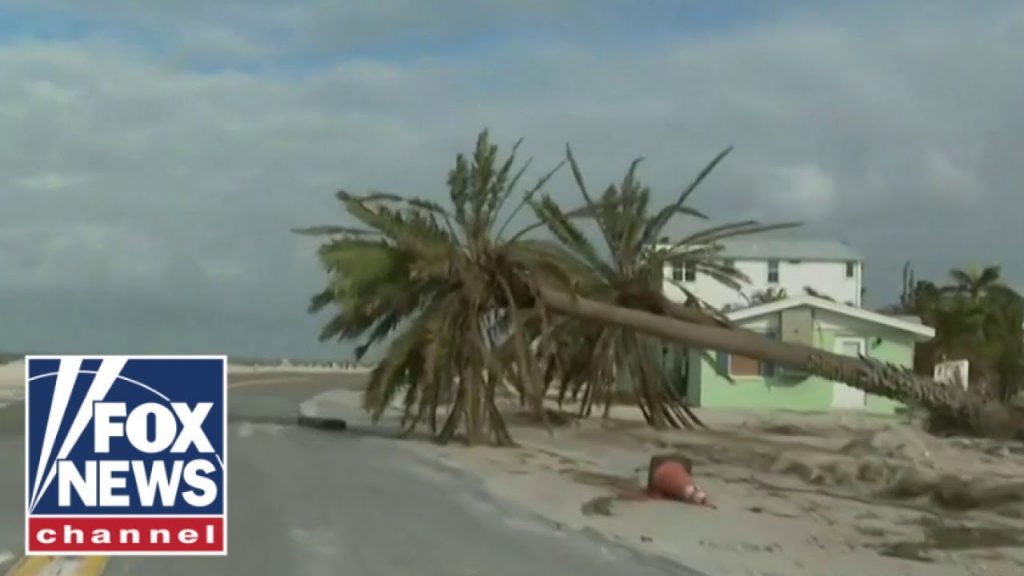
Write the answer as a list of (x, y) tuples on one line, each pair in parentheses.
[(829, 268), (823, 283)]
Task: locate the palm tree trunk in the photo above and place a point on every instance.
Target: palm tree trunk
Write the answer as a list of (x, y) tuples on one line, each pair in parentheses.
[(872, 376)]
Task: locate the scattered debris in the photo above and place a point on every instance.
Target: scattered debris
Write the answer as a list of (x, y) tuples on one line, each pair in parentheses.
[(952, 537), (900, 444), (785, 430), (600, 506)]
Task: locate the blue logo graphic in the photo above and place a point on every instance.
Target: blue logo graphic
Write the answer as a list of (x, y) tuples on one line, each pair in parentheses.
[(126, 437)]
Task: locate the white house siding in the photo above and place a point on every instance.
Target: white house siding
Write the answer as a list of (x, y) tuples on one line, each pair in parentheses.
[(825, 277)]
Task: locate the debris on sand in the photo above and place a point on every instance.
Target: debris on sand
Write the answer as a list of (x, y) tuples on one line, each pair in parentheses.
[(939, 536), (901, 444), (600, 506)]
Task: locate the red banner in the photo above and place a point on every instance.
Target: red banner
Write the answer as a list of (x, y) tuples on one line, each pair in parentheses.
[(126, 535)]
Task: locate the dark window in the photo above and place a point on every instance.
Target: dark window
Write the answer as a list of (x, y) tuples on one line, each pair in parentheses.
[(773, 271), (850, 267), (743, 366), (729, 264), (677, 271), (683, 271), (736, 365)]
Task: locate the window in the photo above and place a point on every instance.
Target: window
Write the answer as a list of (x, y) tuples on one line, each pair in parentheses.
[(677, 271), (729, 263), (773, 271), (736, 365), (690, 272), (743, 366), (683, 271), (850, 268)]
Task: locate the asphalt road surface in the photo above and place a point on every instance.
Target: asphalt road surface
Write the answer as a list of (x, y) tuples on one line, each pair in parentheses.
[(304, 501)]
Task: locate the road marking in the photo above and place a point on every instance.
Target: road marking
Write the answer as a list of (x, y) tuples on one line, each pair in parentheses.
[(59, 566)]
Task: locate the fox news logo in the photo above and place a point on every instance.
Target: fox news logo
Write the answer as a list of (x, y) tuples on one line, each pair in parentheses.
[(126, 455)]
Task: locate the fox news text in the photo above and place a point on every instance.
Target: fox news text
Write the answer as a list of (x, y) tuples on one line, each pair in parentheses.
[(126, 455)]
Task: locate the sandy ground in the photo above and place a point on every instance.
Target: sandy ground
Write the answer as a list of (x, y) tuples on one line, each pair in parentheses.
[(797, 494)]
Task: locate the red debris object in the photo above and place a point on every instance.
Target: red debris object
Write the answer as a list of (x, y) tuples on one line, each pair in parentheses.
[(670, 477)]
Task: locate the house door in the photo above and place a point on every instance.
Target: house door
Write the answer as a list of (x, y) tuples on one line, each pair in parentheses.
[(844, 396)]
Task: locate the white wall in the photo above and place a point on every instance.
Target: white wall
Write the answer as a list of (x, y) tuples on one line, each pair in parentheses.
[(828, 278)]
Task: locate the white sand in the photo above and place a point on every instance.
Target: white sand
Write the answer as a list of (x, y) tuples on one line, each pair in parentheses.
[(788, 504)]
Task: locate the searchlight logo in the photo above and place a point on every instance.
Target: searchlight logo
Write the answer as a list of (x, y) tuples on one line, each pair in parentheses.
[(125, 455)]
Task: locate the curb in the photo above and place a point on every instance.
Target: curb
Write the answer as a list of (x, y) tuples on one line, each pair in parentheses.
[(58, 566), (322, 423), (312, 414), (326, 410)]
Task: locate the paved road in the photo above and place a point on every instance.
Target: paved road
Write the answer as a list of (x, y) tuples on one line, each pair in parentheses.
[(305, 501)]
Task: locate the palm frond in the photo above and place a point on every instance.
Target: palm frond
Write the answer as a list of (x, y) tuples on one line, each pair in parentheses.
[(527, 199), (598, 209), (548, 211)]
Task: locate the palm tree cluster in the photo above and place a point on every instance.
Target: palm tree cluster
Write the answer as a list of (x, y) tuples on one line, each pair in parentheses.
[(976, 318), (472, 313)]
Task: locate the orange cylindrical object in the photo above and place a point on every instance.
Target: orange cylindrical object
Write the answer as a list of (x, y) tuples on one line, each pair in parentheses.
[(671, 480)]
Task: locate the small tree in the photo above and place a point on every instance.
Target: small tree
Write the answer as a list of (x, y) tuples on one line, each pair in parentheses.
[(977, 318)]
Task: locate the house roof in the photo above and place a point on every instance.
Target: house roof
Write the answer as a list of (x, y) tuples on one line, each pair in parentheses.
[(787, 249), (901, 323)]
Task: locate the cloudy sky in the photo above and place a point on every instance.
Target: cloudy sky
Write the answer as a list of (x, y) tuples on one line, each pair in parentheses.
[(154, 155)]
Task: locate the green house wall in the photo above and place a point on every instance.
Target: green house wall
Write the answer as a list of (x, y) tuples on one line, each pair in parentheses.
[(788, 392)]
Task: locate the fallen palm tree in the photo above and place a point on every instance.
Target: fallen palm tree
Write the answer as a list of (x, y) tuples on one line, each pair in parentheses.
[(946, 404)]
